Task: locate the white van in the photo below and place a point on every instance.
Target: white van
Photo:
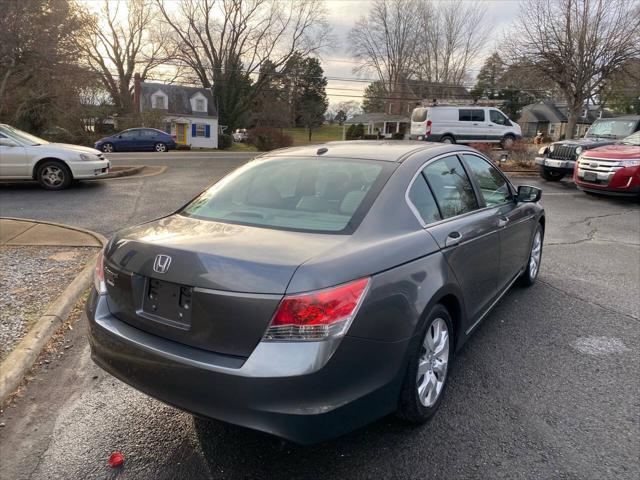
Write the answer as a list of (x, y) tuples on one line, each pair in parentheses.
[(463, 124)]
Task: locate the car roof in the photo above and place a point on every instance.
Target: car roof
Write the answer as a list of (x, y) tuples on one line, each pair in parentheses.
[(385, 150)]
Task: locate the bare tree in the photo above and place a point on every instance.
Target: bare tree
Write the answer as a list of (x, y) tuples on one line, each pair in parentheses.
[(123, 39), (451, 36), (226, 42), (579, 44), (385, 41)]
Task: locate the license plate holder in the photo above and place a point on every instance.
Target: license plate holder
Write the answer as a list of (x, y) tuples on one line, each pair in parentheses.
[(168, 303), (553, 163), (590, 176)]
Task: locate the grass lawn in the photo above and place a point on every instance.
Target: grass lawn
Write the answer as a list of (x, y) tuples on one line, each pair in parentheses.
[(325, 133)]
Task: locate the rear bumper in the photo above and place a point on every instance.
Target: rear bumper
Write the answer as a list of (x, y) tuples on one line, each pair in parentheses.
[(565, 166), (279, 391)]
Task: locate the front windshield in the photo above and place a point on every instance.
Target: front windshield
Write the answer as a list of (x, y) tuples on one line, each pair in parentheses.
[(307, 194), (632, 139), (611, 128), (22, 137)]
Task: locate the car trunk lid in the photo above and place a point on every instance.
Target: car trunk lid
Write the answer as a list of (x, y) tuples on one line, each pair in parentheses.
[(220, 286)]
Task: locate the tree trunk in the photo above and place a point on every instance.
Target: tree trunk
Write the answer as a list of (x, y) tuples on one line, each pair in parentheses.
[(573, 113)]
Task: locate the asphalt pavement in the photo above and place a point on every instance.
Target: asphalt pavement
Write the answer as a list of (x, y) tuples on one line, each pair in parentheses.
[(548, 387)]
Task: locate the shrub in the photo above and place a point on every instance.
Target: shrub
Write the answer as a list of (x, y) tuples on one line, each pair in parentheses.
[(355, 132), (265, 139), (224, 141), (373, 136), (522, 154), (485, 148)]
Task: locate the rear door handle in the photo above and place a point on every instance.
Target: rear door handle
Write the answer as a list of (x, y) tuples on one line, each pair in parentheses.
[(453, 239), (502, 221)]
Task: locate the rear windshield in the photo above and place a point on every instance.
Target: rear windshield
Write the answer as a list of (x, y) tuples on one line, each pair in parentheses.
[(419, 114), (307, 194)]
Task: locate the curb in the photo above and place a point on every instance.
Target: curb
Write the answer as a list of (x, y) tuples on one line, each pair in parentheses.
[(101, 238), (122, 173), (21, 359)]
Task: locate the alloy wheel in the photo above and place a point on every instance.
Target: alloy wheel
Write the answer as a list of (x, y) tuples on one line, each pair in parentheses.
[(107, 148), (161, 147), (53, 176), (536, 253), (433, 362)]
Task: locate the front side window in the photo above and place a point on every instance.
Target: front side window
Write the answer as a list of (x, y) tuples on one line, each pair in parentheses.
[(422, 199), (451, 187), (306, 194), (493, 186), (496, 117)]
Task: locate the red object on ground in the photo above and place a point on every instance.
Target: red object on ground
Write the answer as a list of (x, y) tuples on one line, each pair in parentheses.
[(116, 459)]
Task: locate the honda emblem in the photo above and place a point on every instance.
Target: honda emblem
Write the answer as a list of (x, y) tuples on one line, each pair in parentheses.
[(161, 263)]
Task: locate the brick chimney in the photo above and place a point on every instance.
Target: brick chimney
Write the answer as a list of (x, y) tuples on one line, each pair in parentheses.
[(136, 92)]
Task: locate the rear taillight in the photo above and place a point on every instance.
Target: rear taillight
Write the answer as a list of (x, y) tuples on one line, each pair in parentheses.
[(98, 275), (318, 315), (429, 127)]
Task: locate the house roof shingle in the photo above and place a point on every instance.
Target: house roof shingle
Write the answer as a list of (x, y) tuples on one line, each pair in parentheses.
[(179, 97)]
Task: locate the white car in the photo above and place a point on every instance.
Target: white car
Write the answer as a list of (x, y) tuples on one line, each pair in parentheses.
[(54, 165), (463, 124)]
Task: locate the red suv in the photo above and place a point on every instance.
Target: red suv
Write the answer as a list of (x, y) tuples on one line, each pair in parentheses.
[(613, 169)]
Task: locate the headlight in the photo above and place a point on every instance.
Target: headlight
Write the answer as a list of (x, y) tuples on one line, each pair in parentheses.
[(578, 150), (551, 148), (630, 163), (87, 157)]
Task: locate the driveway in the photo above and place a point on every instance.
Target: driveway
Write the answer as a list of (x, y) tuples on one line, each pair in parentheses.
[(546, 388)]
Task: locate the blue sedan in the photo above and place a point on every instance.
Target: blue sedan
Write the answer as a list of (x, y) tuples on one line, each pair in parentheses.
[(137, 139)]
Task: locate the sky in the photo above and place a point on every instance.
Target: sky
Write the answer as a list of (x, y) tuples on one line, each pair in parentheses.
[(343, 83), (342, 16)]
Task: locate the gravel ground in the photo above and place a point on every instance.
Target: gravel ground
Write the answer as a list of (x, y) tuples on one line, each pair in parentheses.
[(30, 279)]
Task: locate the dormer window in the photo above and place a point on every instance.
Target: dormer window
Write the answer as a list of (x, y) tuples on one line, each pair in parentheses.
[(159, 102), (200, 105)]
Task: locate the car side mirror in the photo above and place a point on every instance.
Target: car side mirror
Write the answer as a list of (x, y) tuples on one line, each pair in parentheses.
[(7, 142), (527, 193), (119, 136)]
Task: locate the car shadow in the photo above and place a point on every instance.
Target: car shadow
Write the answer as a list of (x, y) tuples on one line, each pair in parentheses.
[(32, 185)]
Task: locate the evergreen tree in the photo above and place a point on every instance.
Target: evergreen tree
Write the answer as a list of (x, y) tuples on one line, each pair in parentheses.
[(374, 96), (489, 78)]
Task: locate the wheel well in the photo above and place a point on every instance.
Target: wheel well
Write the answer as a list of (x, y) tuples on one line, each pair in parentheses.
[(452, 304), (48, 159), (450, 135), (542, 223)]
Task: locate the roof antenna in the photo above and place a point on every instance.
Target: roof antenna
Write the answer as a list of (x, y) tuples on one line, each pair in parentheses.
[(322, 150)]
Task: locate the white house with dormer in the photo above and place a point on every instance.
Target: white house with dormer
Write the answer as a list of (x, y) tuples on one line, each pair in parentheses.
[(190, 113)]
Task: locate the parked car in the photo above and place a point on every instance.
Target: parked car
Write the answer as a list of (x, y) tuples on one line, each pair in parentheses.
[(137, 139), (240, 135), (559, 159), (54, 165), (316, 288), (613, 170), (464, 124)]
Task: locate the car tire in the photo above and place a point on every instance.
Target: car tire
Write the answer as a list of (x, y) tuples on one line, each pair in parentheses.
[(551, 175), (54, 175), (532, 269), (507, 142), (447, 139), (420, 397), (160, 147), (107, 148)]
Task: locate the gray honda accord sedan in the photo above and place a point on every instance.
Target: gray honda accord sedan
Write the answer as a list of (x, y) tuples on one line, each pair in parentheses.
[(316, 289)]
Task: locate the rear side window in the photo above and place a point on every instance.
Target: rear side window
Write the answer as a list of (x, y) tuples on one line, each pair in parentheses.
[(471, 115), (422, 199), (307, 194), (492, 184), (451, 187)]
